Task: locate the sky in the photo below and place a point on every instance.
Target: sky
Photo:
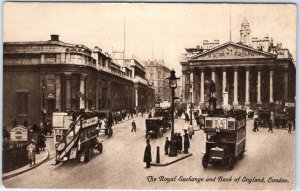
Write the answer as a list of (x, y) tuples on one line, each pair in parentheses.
[(152, 30)]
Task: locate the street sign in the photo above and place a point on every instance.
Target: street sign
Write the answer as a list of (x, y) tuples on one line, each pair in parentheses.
[(19, 133), (289, 104)]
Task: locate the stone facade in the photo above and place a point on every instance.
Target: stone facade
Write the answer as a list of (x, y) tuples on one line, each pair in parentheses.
[(244, 76), (58, 76)]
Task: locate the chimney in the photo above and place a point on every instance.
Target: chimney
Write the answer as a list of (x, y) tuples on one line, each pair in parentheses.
[(54, 37)]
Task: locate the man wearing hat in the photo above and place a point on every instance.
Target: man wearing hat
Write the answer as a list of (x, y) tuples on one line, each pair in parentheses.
[(186, 142), (133, 126), (147, 154)]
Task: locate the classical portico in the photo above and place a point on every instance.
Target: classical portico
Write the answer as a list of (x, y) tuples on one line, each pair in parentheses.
[(248, 76)]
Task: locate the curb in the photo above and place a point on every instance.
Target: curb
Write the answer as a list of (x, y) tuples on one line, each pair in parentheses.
[(169, 163), (21, 172)]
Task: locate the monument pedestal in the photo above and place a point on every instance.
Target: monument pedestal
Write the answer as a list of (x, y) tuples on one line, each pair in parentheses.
[(212, 104), (225, 100)]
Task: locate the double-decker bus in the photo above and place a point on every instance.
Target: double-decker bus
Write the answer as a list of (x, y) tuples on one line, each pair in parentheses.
[(225, 139)]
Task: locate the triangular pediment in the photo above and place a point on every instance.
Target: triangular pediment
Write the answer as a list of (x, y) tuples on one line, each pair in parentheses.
[(231, 50)]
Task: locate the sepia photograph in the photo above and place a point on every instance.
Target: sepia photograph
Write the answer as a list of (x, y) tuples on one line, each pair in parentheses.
[(149, 96)]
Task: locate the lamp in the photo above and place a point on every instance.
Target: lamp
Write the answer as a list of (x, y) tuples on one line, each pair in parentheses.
[(173, 85)]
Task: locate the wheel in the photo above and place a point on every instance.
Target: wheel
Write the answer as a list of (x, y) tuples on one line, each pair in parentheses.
[(205, 160), (230, 163), (110, 132), (86, 156), (100, 147), (242, 154)]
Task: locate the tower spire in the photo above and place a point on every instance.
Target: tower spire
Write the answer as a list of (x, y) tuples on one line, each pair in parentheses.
[(230, 26)]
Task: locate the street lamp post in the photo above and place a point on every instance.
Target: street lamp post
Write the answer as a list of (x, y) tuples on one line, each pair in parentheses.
[(173, 85)]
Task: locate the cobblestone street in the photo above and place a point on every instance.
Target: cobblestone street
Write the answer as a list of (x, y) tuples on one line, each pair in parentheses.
[(121, 163)]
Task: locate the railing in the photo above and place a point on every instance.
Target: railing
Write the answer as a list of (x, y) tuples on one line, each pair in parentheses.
[(14, 156)]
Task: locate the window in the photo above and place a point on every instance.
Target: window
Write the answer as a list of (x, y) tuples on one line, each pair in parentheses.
[(22, 103), (50, 58), (50, 83)]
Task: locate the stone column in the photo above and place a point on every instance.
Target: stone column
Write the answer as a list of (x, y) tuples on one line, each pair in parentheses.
[(68, 90), (58, 91), (224, 82), (62, 58), (235, 90), (247, 102), (42, 58), (183, 86), (213, 74), (286, 81), (271, 85), (192, 82), (202, 86), (259, 86), (136, 98), (224, 91), (82, 91)]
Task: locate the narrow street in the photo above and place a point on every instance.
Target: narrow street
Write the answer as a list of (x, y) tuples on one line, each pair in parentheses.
[(121, 166)]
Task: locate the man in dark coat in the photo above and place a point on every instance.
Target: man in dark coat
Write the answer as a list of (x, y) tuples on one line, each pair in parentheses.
[(176, 142), (147, 154), (133, 126), (167, 145), (186, 142), (179, 142), (42, 141), (290, 125), (187, 118), (255, 125), (270, 127)]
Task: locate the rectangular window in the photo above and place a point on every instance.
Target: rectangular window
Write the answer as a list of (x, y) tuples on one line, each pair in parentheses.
[(22, 103), (50, 58)]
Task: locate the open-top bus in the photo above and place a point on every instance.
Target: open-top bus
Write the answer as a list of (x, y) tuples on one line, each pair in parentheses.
[(80, 140)]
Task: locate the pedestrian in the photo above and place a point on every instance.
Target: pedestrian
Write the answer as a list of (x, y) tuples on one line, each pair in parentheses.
[(110, 121), (167, 145), (290, 125), (179, 142), (98, 127), (187, 118), (190, 131), (42, 141), (270, 127), (31, 149), (147, 154), (186, 142), (133, 126), (150, 115), (255, 125)]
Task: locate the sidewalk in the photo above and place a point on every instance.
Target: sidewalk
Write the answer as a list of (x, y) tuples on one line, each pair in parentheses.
[(165, 160), (40, 158)]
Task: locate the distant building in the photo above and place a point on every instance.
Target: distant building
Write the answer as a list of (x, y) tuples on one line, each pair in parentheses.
[(157, 73), (248, 73), (144, 93)]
